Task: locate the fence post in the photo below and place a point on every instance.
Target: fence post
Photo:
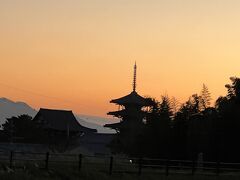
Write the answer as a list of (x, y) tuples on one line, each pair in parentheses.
[(111, 165), (193, 167), (46, 161), (167, 167), (11, 159), (79, 162), (140, 166), (217, 168)]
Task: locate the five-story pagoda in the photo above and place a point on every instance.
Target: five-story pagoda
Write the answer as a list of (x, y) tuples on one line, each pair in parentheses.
[(131, 114)]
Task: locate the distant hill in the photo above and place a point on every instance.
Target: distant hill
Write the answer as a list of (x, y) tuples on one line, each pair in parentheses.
[(87, 123), (9, 108), (96, 122)]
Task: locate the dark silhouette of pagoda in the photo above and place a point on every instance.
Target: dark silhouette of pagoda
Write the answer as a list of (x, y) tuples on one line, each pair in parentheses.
[(131, 114)]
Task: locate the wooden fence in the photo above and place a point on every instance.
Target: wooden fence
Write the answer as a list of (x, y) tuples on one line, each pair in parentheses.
[(115, 164)]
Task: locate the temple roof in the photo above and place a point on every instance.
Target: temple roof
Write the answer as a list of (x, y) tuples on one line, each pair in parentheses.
[(60, 120), (132, 98)]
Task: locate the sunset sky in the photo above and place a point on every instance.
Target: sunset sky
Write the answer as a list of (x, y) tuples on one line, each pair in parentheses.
[(79, 54)]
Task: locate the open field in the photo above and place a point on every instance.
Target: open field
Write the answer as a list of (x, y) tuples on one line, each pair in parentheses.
[(65, 174)]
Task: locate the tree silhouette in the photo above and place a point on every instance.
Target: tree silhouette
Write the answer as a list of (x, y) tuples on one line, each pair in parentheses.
[(174, 104), (18, 127), (205, 100), (228, 108), (181, 126), (158, 129), (234, 88), (23, 129)]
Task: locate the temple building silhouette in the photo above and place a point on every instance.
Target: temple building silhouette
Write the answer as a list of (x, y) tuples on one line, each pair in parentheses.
[(59, 122), (130, 113)]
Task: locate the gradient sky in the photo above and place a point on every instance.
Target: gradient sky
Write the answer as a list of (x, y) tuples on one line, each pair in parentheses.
[(79, 54)]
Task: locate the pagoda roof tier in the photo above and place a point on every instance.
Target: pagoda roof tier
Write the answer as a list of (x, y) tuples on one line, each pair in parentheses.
[(114, 125), (122, 124), (132, 98), (125, 112)]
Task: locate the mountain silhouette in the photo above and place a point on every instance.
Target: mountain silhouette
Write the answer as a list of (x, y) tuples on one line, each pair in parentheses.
[(9, 108)]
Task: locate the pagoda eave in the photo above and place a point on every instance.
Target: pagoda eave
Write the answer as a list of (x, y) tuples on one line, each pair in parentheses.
[(114, 125), (132, 98), (118, 115), (123, 113)]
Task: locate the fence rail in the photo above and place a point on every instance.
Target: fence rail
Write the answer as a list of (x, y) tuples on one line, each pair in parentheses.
[(114, 164)]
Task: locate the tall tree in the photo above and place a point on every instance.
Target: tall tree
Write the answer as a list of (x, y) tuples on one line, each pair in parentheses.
[(192, 106), (205, 98), (165, 108), (229, 124), (157, 129), (174, 104), (181, 125), (233, 88)]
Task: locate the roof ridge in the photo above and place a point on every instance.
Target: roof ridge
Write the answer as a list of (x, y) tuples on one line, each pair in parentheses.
[(48, 109)]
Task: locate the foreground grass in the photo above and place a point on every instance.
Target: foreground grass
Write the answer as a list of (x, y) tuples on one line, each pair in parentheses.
[(69, 174)]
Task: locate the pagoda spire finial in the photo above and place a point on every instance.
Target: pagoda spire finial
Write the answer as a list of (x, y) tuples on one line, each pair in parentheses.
[(135, 77)]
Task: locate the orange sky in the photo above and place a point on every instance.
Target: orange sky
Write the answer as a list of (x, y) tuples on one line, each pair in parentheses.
[(79, 54)]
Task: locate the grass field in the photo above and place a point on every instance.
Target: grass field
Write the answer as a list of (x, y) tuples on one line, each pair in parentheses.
[(63, 173)]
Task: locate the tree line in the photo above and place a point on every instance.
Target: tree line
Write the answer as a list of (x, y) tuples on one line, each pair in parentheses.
[(195, 127)]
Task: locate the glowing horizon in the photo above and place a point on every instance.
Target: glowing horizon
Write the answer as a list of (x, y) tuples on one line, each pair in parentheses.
[(79, 55)]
